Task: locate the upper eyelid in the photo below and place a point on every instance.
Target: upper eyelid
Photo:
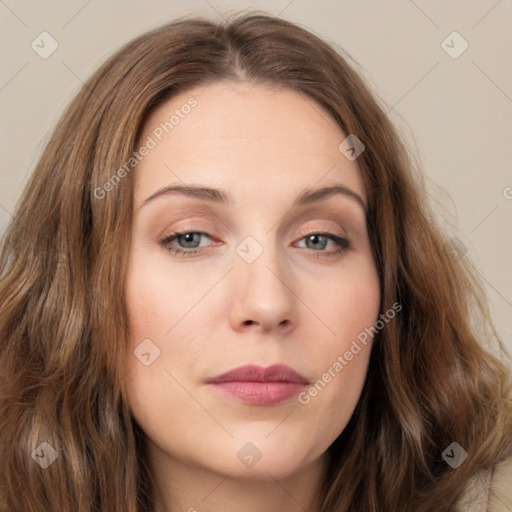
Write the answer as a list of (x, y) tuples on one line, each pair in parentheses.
[(315, 210), (338, 222)]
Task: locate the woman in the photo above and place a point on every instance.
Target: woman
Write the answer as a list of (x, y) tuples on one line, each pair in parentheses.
[(224, 290)]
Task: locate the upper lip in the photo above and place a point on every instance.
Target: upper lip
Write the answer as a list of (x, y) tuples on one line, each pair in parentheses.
[(253, 373)]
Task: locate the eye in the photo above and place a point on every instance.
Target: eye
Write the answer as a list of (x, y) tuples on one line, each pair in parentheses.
[(187, 241), (318, 242)]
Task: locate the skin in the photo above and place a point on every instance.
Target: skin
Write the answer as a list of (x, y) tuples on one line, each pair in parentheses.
[(213, 311)]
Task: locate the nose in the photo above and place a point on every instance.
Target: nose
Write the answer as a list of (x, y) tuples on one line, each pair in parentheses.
[(263, 298)]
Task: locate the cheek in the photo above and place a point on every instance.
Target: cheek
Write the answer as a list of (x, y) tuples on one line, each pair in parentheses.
[(157, 348), (349, 307), (348, 302), (154, 314), (157, 299), (164, 339)]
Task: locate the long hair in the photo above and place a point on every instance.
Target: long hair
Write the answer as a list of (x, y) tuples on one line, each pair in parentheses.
[(63, 318)]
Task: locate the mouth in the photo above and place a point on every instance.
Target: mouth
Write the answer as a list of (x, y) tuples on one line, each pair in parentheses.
[(256, 385)]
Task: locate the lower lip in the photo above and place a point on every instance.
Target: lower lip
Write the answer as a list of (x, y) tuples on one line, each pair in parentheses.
[(260, 393)]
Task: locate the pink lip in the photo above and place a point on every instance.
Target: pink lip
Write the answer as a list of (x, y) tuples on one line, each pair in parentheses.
[(256, 385)]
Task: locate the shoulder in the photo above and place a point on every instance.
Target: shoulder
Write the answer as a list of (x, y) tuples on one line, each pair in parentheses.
[(490, 490), (500, 490)]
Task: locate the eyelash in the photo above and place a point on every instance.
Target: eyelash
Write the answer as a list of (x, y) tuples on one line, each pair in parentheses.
[(342, 243)]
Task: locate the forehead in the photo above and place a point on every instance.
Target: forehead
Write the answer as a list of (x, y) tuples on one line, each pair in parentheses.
[(244, 137)]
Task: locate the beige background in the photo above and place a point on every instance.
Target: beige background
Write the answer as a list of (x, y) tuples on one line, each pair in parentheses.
[(455, 112)]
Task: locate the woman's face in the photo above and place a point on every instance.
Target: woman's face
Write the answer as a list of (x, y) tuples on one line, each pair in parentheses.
[(275, 270)]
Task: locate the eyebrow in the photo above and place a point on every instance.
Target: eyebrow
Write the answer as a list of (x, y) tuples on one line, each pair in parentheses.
[(307, 196)]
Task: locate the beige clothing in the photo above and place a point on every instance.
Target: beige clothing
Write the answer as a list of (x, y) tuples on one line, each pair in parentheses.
[(490, 491)]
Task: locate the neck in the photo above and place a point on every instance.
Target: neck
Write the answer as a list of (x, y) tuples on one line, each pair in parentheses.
[(186, 487)]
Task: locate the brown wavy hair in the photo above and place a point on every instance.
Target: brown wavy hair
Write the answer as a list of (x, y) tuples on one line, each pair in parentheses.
[(63, 320)]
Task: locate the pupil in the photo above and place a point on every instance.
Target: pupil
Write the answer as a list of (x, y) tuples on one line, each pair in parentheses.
[(189, 240), (315, 239)]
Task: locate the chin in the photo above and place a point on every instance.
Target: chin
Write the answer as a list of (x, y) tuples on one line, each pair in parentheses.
[(261, 461)]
